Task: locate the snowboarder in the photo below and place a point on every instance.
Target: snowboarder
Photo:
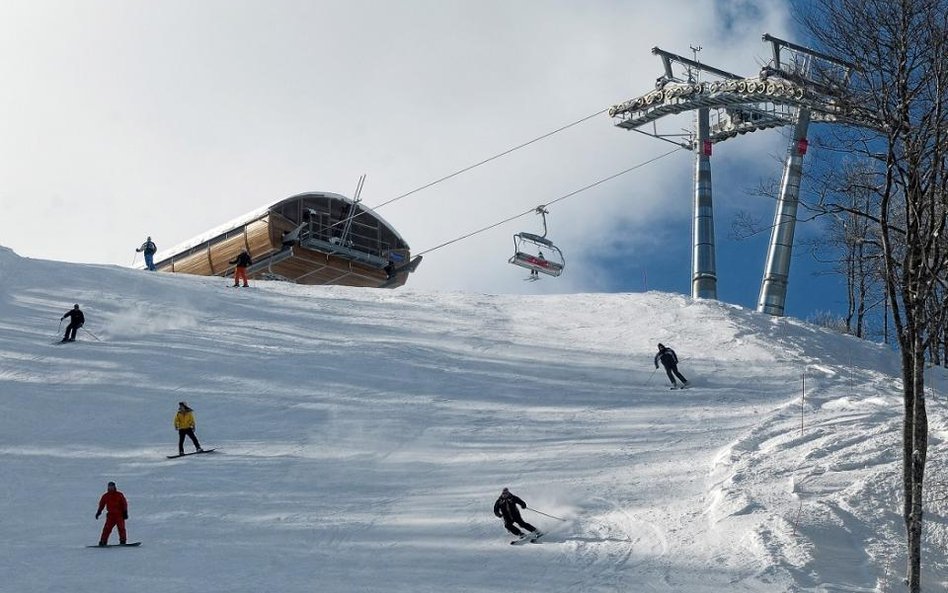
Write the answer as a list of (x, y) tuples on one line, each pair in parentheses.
[(669, 360), (149, 249), (506, 509), (116, 514), (76, 319), (184, 423), (240, 272)]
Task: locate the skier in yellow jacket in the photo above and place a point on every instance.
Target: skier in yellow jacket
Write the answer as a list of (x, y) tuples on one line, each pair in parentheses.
[(184, 422)]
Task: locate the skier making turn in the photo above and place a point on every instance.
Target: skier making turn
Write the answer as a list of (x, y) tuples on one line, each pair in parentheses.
[(76, 319), (670, 361), (506, 509)]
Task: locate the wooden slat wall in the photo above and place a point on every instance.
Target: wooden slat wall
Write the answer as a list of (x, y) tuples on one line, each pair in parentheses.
[(279, 225), (224, 251), (258, 238), (196, 263)]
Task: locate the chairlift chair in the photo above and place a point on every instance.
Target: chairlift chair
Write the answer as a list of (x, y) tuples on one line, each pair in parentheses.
[(537, 253)]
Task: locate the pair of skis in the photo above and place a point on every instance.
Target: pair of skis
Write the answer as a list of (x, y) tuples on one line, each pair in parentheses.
[(527, 538)]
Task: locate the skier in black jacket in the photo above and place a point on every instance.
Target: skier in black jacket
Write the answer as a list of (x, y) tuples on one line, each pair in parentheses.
[(76, 319), (240, 272), (506, 509), (670, 361)]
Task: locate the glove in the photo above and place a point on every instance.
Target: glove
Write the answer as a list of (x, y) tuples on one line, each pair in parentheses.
[(125, 515), (97, 515)]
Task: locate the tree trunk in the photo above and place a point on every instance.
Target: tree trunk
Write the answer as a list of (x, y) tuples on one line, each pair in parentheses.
[(915, 453)]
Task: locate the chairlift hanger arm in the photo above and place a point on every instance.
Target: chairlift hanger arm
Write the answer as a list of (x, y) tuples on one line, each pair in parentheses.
[(542, 211), (356, 198)]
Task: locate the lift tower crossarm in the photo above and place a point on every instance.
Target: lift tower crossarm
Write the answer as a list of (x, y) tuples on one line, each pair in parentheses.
[(668, 58), (778, 43)]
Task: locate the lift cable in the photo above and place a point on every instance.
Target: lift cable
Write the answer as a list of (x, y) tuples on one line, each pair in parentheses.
[(559, 199), (489, 159), (355, 215)]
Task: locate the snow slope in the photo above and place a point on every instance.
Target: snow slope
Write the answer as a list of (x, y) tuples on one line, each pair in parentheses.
[(364, 435)]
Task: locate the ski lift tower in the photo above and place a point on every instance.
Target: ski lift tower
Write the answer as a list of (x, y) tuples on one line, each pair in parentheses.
[(798, 87)]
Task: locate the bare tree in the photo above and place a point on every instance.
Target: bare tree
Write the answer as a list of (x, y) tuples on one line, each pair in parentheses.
[(850, 244), (901, 50)]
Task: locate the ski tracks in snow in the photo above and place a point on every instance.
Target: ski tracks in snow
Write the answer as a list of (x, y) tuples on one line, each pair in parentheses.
[(608, 542)]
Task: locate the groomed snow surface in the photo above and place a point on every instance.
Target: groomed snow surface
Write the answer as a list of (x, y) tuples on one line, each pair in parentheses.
[(363, 436)]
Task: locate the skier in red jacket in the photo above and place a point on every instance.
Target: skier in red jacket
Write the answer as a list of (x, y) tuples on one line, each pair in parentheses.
[(116, 513)]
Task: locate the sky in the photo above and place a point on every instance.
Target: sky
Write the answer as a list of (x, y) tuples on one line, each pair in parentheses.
[(362, 437), (126, 119)]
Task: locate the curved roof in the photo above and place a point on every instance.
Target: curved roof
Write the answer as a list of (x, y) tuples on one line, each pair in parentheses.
[(258, 213)]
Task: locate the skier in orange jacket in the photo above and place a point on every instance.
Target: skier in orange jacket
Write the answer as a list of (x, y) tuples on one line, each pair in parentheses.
[(116, 513)]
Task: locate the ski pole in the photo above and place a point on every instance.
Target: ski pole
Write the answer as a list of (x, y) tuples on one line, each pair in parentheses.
[(91, 334), (134, 257), (650, 377), (546, 515), (60, 326)]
